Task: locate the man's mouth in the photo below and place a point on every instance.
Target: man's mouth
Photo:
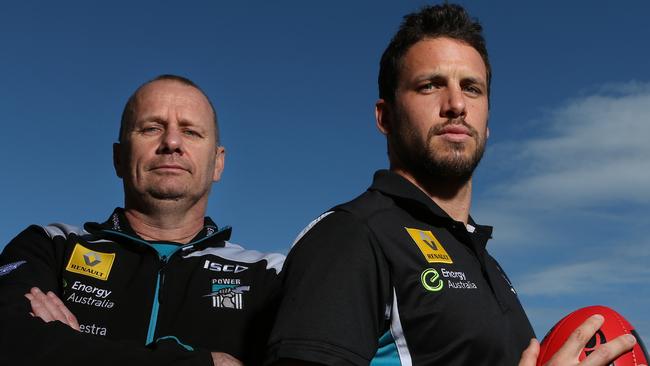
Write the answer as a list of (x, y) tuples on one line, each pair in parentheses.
[(455, 133), (169, 167)]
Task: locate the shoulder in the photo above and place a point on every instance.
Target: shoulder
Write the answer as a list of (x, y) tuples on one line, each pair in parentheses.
[(62, 230), (41, 243), (332, 228), (344, 223), (37, 234), (367, 204), (337, 241)]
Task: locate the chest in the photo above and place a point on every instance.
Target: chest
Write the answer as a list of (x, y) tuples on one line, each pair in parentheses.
[(205, 301), (450, 298)]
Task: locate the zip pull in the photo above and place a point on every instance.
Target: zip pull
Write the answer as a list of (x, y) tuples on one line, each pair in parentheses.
[(162, 283)]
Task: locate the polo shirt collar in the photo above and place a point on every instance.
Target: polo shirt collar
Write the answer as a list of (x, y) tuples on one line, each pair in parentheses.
[(395, 185)]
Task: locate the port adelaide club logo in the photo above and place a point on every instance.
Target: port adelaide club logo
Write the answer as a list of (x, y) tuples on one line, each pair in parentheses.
[(226, 293)]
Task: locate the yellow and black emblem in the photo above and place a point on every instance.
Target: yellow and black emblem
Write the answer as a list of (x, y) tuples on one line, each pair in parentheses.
[(429, 246), (90, 263)]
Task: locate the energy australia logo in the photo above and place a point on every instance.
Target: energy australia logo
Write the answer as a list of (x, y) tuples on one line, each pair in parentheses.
[(431, 280), (10, 267), (227, 293)]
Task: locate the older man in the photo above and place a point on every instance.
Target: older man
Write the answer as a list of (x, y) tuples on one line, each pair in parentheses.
[(155, 284), (401, 274)]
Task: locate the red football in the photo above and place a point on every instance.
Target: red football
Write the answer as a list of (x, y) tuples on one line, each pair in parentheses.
[(614, 326)]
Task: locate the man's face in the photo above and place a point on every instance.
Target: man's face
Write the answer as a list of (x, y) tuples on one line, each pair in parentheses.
[(169, 150), (437, 125)]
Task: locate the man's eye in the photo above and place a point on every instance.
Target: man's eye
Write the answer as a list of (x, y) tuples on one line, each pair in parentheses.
[(473, 90), (427, 87), (192, 133), (149, 130), (431, 85)]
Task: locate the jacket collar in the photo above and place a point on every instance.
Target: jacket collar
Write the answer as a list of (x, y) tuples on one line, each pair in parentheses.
[(117, 224), (405, 192)]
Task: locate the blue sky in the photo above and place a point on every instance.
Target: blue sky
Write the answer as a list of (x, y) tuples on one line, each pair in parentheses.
[(565, 179)]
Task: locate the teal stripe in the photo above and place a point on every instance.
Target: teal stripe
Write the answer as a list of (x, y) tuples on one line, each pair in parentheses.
[(189, 348), (164, 252), (387, 354), (153, 319)]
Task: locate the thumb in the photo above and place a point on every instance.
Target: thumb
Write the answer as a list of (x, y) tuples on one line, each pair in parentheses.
[(529, 357)]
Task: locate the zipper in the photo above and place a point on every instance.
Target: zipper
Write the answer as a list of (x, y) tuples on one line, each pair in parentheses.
[(153, 318), (160, 282), (160, 276)]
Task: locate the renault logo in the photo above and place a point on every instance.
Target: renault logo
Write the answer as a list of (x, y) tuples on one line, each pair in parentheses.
[(92, 259)]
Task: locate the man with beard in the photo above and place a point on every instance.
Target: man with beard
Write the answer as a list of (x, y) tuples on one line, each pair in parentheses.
[(401, 275), (157, 283)]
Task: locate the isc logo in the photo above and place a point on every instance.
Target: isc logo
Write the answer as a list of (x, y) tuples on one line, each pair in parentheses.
[(218, 267)]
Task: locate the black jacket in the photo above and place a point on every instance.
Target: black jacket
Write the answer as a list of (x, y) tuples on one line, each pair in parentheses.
[(138, 302)]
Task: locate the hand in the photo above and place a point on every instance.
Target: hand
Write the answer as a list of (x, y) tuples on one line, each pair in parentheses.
[(568, 354), (224, 359), (49, 308)]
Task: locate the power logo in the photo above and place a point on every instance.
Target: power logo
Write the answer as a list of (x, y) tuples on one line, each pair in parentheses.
[(429, 246), (90, 263), (228, 296)]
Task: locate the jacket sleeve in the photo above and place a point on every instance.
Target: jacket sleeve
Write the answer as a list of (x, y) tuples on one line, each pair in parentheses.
[(335, 292), (32, 260)]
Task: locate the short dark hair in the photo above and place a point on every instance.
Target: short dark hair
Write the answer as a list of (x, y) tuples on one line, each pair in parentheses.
[(446, 20), (129, 108)]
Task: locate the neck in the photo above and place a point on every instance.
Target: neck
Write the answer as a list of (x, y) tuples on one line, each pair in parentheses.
[(158, 224), (454, 197)]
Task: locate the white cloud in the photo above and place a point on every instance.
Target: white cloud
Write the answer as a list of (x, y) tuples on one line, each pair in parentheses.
[(571, 206), (584, 277), (574, 201), (594, 151)]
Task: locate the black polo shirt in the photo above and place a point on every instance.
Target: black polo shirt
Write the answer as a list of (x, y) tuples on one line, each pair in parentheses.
[(390, 279)]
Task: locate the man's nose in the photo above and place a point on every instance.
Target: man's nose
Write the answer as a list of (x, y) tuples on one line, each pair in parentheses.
[(453, 103), (172, 141)]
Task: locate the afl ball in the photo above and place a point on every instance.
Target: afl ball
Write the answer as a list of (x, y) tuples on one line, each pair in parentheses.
[(613, 326)]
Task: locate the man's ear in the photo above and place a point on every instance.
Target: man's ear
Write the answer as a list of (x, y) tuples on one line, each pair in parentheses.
[(219, 163), (383, 116), (117, 161)]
